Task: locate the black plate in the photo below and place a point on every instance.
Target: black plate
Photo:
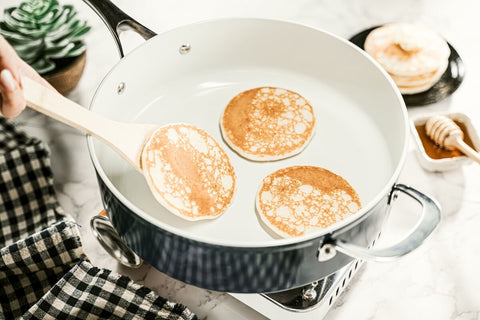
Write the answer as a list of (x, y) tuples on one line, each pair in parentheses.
[(448, 83)]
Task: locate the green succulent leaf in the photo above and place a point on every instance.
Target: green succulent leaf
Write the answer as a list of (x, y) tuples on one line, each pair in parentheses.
[(59, 51), (41, 31), (79, 33), (77, 50), (30, 52), (43, 66), (12, 35)]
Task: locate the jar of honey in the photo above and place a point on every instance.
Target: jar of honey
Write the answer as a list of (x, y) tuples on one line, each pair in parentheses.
[(435, 158)]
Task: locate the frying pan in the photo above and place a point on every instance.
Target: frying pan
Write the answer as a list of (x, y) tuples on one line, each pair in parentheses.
[(189, 74)]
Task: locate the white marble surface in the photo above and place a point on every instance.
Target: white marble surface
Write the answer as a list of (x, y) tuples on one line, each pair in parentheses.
[(440, 280)]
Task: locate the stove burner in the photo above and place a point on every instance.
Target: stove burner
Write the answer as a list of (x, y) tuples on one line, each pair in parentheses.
[(323, 291)]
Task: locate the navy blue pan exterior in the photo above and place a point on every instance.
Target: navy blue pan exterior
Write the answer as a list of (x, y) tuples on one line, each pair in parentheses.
[(237, 269)]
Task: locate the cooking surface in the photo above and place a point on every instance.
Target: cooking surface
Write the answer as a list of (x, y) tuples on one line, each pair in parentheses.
[(355, 151), (356, 135), (438, 281)]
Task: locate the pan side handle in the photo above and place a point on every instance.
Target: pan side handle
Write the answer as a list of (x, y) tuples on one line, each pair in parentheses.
[(428, 222), (109, 239), (116, 21)]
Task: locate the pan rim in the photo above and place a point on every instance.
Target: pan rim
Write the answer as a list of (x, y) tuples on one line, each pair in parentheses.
[(271, 242)]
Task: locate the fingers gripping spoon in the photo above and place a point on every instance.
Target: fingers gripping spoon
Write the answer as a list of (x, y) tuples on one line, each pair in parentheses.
[(172, 158)]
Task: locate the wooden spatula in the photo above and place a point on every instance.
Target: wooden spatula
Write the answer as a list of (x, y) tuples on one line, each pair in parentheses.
[(128, 139), (193, 179)]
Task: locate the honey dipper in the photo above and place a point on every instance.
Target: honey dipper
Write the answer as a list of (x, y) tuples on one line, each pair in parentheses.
[(447, 134)]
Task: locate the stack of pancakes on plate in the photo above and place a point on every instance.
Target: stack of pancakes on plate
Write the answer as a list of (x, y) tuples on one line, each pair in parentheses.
[(414, 56)]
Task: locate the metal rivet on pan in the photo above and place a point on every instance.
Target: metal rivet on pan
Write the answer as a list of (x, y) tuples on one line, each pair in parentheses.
[(395, 196), (310, 294), (121, 87), (326, 252), (184, 49)]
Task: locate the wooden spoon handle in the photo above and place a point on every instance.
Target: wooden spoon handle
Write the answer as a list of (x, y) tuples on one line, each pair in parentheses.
[(58, 107), (466, 149), (125, 138)]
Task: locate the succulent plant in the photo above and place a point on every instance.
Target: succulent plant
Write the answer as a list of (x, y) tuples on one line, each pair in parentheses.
[(42, 31)]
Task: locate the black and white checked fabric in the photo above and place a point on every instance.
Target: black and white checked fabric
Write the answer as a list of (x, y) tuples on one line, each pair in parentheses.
[(44, 273), (31, 266), (27, 199), (87, 292)]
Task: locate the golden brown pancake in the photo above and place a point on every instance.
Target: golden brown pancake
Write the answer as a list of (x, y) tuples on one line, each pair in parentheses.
[(422, 79), (297, 200), (404, 49), (188, 172), (416, 89), (267, 123)]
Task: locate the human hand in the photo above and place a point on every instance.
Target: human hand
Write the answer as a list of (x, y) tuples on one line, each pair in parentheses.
[(12, 69)]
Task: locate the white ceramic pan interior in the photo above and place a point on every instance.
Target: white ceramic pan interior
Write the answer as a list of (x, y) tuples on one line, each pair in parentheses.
[(361, 128)]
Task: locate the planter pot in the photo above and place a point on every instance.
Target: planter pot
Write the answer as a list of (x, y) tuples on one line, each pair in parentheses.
[(68, 73)]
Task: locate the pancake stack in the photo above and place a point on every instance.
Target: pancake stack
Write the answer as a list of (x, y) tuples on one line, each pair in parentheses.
[(297, 200), (188, 172), (414, 56), (267, 123)]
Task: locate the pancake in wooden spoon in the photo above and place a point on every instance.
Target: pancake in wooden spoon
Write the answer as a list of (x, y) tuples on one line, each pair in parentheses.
[(267, 123), (297, 200), (188, 172)]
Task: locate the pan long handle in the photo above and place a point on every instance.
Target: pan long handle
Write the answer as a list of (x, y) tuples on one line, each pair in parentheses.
[(424, 227), (117, 20)]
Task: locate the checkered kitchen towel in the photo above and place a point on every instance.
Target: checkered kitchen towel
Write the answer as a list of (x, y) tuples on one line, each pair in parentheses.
[(44, 273)]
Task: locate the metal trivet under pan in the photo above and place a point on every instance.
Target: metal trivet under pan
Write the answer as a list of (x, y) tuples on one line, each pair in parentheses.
[(313, 300)]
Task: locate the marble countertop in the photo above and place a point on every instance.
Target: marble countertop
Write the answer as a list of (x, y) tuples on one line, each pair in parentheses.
[(440, 280)]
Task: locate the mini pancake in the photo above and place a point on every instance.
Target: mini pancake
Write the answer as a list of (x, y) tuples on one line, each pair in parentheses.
[(188, 172), (297, 200), (416, 89), (407, 49), (421, 80), (267, 123)]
